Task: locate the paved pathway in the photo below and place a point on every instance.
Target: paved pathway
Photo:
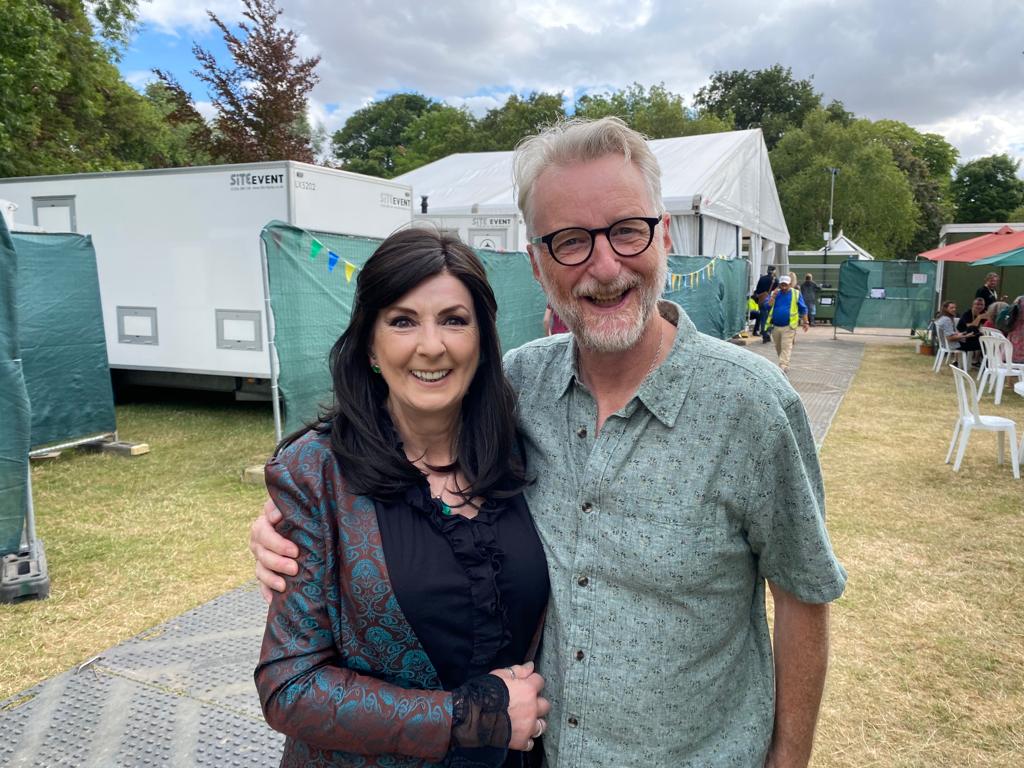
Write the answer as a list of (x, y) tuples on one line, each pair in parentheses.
[(181, 694)]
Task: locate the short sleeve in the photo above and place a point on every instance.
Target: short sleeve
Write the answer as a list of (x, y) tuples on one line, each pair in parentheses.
[(786, 514)]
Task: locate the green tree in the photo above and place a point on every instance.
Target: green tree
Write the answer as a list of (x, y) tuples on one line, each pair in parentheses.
[(185, 138), (438, 132), (655, 112), (987, 189), (371, 141), (926, 159), (874, 203), (1016, 215), (770, 99), (505, 126), (261, 98), (63, 105)]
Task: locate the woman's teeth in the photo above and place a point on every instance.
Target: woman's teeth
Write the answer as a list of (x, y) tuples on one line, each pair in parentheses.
[(431, 375)]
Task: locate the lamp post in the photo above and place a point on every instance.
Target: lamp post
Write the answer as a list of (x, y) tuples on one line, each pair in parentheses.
[(831, 197)]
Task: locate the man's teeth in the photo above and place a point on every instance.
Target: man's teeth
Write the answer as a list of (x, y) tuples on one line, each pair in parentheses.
[(431, 375), (606, 299)]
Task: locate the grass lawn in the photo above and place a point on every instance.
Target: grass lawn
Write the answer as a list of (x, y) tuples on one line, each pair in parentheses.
[(928, 641), (131, 542)]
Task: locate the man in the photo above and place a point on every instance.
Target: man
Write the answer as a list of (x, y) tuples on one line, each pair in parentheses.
[(809, 291), (784, 314), (659, 529), (988, 291), (766, 283)]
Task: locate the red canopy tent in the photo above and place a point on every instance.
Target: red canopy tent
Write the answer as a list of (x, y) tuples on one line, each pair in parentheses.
[(1000, 241)]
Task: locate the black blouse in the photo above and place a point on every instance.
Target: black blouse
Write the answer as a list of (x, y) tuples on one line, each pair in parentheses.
[(473, 591)]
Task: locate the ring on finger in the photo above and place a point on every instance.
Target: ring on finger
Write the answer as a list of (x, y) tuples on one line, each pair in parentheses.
[(529, 745), (511, 672)]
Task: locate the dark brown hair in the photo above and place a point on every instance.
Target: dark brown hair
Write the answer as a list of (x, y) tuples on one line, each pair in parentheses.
[(361, 435)]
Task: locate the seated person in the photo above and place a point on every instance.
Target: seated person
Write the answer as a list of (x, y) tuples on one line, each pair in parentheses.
[(992, 314), (969, 325), (945, 325)]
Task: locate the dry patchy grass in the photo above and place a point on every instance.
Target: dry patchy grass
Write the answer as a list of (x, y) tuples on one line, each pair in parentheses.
[(928, 641), (133, 542)]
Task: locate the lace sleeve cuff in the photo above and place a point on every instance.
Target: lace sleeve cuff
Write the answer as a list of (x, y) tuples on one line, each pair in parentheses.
[(480, 714)]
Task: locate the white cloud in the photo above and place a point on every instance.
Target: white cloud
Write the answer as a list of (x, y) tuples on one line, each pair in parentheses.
[(175, 17)]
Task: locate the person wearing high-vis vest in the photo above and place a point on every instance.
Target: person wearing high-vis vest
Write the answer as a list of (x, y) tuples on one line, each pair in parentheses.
[(784, 315)]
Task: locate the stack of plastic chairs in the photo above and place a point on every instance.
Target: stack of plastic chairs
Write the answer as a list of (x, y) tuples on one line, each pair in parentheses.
[(998, 365)]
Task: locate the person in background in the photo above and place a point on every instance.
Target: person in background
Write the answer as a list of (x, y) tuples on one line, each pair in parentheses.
[(766, 285), (754, 313), (945, 324), (809, 291), (553, 323), (991, 316), (786, 311), (969, 327), (1014, 323), (989, 291), (421, 581), (662, 537)]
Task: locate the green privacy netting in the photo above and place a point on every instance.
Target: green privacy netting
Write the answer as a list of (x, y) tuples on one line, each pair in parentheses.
[(712, 291), (312, 302), (14, 411), (885, 294), (60, 331)]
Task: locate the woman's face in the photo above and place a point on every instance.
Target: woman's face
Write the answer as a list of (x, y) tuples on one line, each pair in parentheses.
[(427, 345)]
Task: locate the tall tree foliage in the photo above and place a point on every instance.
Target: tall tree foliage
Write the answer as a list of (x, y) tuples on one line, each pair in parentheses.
[(436, 133), (655, 112), (874, 202), (505, 126), (988, 189), (770, 99), (371, 141), (63, 105), (261, 97)]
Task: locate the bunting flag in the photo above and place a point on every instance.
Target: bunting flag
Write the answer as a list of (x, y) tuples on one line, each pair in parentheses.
[(693, 279), (314, 248), (350, 269), (332, 261)]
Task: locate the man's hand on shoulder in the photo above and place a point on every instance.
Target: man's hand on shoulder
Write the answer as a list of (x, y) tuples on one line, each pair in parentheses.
[(275, 555)]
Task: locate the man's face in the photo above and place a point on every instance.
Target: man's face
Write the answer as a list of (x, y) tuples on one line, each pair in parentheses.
[(608, 300), (784, 287)]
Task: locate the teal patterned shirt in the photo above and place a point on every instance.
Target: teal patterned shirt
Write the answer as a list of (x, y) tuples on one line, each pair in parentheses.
[(660, 533)]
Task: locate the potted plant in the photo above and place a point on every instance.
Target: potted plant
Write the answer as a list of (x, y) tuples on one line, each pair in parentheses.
[(924, 341)]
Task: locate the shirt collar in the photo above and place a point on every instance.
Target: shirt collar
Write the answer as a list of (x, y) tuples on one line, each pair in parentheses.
[(661, 391)]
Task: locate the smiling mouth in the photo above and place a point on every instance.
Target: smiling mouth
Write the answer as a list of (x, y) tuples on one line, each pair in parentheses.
[(607, 300), (431, 375)]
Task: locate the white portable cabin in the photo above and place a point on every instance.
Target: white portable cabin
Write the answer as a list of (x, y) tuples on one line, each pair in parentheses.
[(178, 254), (718, 188)]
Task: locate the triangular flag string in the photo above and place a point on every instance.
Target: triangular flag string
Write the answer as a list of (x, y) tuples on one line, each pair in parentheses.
[(693, 279)]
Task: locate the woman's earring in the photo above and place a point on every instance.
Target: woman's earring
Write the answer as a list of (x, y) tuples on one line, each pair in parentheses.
[(374, 367)]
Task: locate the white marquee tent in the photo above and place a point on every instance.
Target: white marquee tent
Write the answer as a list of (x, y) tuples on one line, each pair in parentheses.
[(718, 188)]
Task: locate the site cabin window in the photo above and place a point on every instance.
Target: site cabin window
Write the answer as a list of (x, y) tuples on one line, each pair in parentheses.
[(55, 213), (239, 329), (137, 325)]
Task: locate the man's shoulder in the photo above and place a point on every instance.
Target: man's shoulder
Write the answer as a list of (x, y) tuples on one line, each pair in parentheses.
[(738, 376), (535, 359)]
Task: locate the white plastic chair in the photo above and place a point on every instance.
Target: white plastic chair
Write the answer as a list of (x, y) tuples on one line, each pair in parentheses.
[(984, 358), (986, 331), (998, 354), (970, 420), (944, 353)]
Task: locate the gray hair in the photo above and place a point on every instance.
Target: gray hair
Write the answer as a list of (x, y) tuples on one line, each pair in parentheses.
[(991, 274), (575, 141)]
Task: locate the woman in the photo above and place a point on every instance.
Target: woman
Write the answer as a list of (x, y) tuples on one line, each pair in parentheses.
[(945, 322), (969, 326), (422, 582)]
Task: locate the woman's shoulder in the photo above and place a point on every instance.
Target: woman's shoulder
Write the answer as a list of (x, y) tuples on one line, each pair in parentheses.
[(311, 449)]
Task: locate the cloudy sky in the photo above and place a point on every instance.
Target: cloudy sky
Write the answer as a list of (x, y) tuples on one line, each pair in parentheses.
[(955, 67)]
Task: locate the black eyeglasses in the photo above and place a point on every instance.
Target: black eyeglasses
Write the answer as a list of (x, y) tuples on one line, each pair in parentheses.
[(574, 245)]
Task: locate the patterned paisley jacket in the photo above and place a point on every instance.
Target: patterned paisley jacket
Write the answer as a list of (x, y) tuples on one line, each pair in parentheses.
[(341, 672)]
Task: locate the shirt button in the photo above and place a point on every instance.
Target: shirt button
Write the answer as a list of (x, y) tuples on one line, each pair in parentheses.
[(583, 581), (586, 506), (581, 432), (579, 655), (573, 722)]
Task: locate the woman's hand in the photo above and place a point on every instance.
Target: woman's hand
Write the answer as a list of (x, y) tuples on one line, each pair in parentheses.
[(527, 709)]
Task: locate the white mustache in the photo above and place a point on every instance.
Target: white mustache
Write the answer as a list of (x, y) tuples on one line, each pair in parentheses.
[(592, 287)]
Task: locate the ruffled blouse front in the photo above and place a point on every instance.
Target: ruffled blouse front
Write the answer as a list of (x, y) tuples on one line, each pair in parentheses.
[(473, 590)]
